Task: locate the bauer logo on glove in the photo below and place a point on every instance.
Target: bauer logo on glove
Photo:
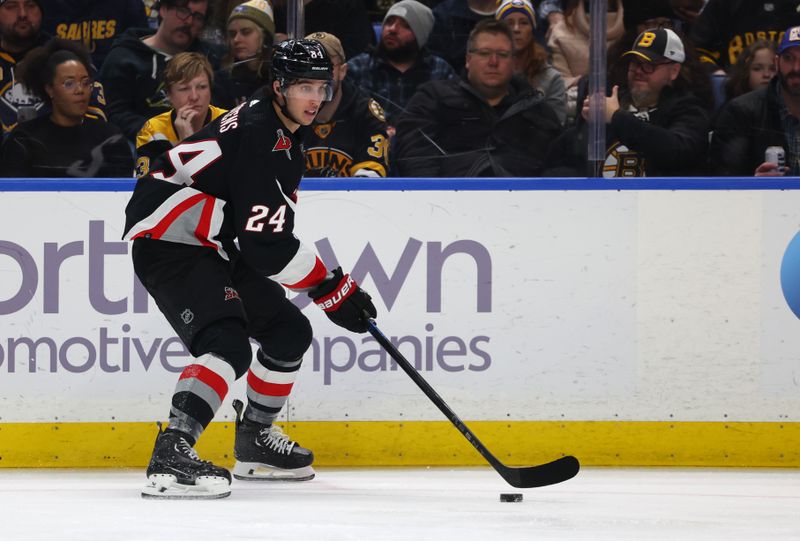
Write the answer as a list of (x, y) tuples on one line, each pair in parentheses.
[(343, 301), (346, 287)]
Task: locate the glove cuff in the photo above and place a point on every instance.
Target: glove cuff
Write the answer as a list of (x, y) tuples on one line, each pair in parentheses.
[(333, 300)]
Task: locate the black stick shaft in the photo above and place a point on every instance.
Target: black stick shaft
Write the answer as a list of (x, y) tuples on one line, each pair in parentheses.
[(549, 473), (431, 393)]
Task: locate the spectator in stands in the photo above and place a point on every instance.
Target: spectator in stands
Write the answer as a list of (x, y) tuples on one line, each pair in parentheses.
[(132, 71), (347, 19), (753, 70), (20, 31), (530, 58), (348, 137), (95, 24), (725, 27), (216, 28), (569, 43), (392, 72), (64, 143), (187, 79), (488, 124), (763, 118), (246, 67), (655, 125), (454, 20)]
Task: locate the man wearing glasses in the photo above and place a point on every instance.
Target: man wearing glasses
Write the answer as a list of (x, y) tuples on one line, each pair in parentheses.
[(488, 124), (132, 71), (655, 126)]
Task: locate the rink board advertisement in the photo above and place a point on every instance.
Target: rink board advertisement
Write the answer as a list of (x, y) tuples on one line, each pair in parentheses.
[(541, 306)]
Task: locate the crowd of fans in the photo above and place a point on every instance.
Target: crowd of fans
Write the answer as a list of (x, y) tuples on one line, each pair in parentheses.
[(422, 88)]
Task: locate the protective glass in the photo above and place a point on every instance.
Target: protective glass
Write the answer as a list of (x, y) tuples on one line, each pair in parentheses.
[(309, 90)]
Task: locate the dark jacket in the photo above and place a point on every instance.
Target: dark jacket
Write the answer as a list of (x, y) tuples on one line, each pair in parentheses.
[(233, 86), (449, 129), (39, 148), (669, 140), (745, 127), (95, 24), (132, 78)]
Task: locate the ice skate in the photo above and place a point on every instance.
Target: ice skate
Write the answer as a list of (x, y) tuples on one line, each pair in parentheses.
[(265, 453), (175, 472)]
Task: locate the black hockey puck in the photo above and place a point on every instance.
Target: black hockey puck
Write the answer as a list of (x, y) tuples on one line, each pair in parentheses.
[(510, 497)]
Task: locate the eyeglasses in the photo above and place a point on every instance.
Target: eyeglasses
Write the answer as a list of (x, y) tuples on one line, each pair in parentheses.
[(184, 13), (71, 84), (646, 67), (485, 54)]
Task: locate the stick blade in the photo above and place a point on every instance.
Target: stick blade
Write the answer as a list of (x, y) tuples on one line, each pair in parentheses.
[(554, 472)]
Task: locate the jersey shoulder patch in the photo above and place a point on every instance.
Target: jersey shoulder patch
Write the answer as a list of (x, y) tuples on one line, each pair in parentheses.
[(376, 110)]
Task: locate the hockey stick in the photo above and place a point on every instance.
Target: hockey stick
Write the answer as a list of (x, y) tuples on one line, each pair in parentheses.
[(550, 473)]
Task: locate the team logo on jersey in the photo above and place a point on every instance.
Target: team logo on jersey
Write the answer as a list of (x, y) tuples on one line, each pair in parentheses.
[(187, 316), (323, 130), (231, 293), (283, 143), (623, 162), (328, 162), (376, 110)]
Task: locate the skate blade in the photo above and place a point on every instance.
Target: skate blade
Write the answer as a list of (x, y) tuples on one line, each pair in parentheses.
[(166, 487), (255, 471)]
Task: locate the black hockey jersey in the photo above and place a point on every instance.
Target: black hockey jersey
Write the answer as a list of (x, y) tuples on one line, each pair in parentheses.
[(236, 178), (354, 143)]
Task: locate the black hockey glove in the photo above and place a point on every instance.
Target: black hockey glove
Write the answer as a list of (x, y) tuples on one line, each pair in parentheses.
[(343, 301)]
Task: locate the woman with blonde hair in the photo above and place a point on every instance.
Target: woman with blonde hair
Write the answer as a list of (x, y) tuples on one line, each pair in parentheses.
[(187, 80), (530, 57)]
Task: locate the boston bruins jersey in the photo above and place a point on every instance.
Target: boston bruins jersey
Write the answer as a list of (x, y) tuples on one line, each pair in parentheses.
[(158, 135), (354, 143), (726, 27), (236, 178)]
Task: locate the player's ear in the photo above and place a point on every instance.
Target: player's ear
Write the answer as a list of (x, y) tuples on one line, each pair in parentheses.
[(276, 88)]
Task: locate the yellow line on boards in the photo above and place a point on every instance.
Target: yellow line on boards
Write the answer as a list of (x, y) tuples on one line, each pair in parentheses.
[(423, 443)]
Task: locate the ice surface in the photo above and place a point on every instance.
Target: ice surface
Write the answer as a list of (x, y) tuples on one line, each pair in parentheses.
[(410, 504)]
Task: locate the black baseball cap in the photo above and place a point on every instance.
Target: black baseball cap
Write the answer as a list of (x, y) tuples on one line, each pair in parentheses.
[(657, 45)]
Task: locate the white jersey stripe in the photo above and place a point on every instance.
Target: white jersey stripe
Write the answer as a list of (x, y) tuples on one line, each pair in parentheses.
[(298, 267)]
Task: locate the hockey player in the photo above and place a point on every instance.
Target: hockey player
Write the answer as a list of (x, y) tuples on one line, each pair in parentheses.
[(237, 178)]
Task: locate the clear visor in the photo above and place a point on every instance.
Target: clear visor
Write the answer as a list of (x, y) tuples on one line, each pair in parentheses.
[(309, 90)]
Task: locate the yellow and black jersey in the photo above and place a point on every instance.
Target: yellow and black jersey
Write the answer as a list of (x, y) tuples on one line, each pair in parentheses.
[(158, 135), (353, 144), (727, 27)]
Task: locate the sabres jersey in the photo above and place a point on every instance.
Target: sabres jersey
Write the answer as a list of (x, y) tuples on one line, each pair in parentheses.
[(236, 178)]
